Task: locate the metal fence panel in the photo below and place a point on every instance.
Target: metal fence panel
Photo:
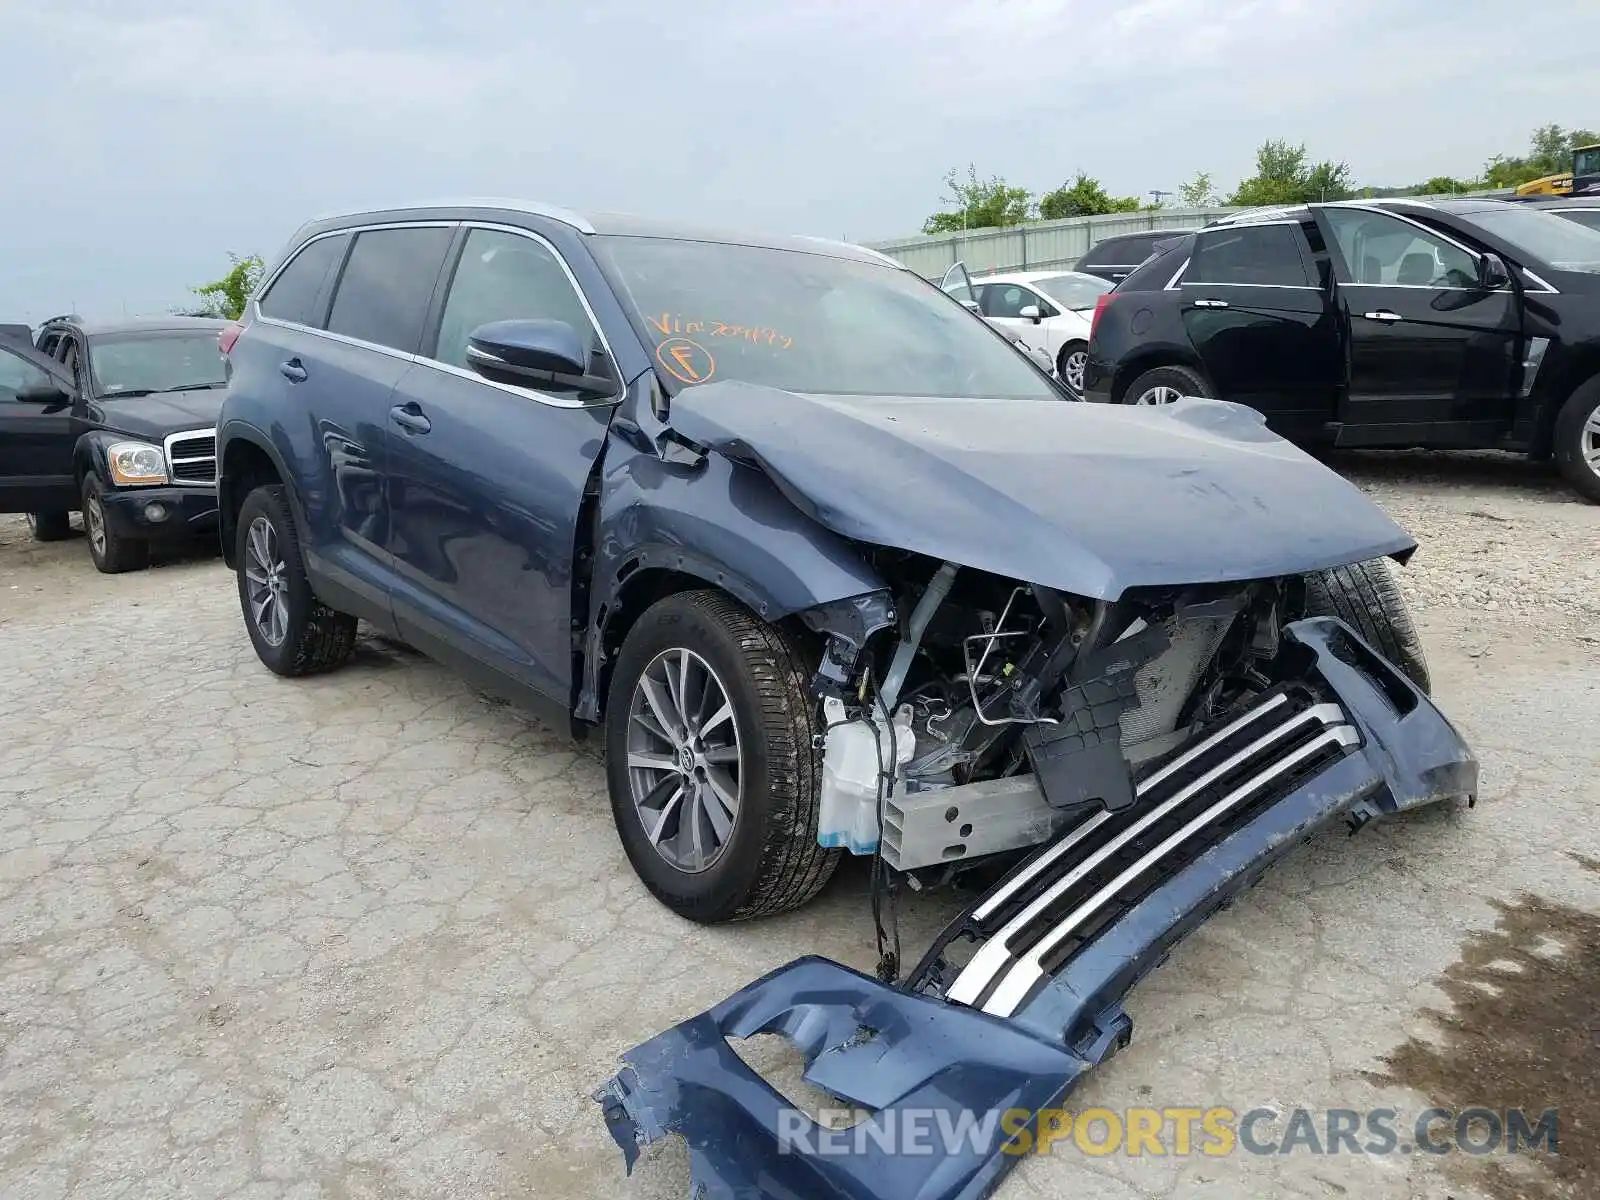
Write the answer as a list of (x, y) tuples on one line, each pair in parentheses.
[(1047, 244)]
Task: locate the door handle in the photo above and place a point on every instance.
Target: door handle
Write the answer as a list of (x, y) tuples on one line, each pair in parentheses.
[(1211, 304), (1384, 315), (293, 371), (410, 418)]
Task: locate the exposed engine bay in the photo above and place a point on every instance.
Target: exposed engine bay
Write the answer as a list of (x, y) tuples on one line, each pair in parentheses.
[(987, 714)]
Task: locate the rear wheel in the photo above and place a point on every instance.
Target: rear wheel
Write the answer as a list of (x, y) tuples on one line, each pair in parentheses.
[(1577, 440), (711, 764), (49, 526), (110, 551), (1163, 385), (293, 632), (1366, 596)]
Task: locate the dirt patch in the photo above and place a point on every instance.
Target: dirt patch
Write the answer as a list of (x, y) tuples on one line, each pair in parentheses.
[(1524, 1033)]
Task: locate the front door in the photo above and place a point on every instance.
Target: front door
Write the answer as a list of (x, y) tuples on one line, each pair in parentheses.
[(1262, 324), (486, 480), (36, 433), (1020, 312), (1432, 354)]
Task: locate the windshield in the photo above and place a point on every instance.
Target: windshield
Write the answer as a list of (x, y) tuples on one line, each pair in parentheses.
[(1565, 245), (810, 323), (1074, 291), (141, 363), (1586, 161)]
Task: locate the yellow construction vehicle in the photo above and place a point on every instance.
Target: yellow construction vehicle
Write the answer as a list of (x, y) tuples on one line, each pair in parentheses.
[(1582, 179)]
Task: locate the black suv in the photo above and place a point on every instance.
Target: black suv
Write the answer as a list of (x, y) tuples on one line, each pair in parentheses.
[(117, 420), (1466, 324)]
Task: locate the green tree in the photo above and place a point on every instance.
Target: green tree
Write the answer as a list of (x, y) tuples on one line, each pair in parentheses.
[(1083, 197), (1444, 185), (226, 297), (1283, 176), (979, 204), (1198, 192)]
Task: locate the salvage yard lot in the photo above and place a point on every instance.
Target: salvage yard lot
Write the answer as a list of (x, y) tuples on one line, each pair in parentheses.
[(372, 935)]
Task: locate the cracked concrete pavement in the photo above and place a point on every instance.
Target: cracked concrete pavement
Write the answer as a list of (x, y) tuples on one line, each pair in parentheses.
[(372, 935)]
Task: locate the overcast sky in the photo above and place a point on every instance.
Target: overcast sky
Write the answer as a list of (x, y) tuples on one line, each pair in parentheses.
[(148, 140)]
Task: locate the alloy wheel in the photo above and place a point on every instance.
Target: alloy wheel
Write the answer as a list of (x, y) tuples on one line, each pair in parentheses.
[(1589, 441), (1072, 371), (267, 584), (685, 768), (1160, 394), (94, 518)]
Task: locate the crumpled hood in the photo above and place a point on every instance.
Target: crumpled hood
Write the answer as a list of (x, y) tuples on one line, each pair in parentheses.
[(1089, 498)]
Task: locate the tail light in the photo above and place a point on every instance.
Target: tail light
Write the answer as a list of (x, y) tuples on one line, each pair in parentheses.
[(1101, 303), (229, 336)]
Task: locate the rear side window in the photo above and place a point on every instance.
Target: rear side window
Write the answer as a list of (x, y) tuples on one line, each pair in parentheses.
[(1258, 254), (387, 285), (1125, 251), (297, 292)]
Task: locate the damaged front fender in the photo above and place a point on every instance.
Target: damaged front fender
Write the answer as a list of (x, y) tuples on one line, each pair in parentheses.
[(955, 1065)]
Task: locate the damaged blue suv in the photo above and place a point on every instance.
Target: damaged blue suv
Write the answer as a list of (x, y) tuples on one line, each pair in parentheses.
[(836, 570)]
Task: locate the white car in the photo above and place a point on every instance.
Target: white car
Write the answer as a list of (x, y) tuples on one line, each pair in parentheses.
[(1049, 311)]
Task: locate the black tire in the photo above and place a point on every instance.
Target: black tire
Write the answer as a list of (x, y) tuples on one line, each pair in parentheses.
[(1366, 596), (50, 526), (1572, 440), (1067, 352), (315, 637), (1183, 380), (771, 861), (110, 552)]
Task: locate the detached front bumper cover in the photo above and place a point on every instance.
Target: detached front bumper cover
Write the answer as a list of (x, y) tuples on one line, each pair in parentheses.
[(935, 1074)]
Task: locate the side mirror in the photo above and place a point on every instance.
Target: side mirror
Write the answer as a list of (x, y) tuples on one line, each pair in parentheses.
[(1030, 312), (533, 353), (43, 393), (1492, 272), (970, 305)]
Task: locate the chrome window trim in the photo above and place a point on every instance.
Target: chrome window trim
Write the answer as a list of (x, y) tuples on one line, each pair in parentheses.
[(166, 453), (548, 399), (1286, 287), (1173, 283), (1544, 286)]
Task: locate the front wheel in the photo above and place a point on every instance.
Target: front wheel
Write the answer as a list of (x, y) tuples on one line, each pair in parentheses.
[(293, 632), (711, 763), (1366, 596), (1164, 385), (1070, 364), (109, 550), (49, 526), (1577, 440)]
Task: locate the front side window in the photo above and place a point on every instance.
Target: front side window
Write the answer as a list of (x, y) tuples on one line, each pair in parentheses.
[(1381, 249), (505, 276), (1249, 254), (806, 322), (387, 285), (296, 292), (145, 364), (1009, 299), (19, 376)]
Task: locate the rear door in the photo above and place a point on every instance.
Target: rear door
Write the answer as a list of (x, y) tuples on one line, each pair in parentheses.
[(1432, 354), (1255, 310), (486, 480), (334, 339), (36, 432)]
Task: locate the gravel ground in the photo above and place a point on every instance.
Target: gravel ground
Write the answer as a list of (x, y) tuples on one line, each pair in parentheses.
[(371, 935)]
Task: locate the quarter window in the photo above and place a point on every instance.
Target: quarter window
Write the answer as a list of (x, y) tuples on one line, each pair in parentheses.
[(1382, 249), (1249, 254), (505, 276), (297, 292), (387, 285)]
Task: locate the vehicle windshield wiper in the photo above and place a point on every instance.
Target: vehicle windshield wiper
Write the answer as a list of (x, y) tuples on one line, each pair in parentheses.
[(196, 387), (124, 393)]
